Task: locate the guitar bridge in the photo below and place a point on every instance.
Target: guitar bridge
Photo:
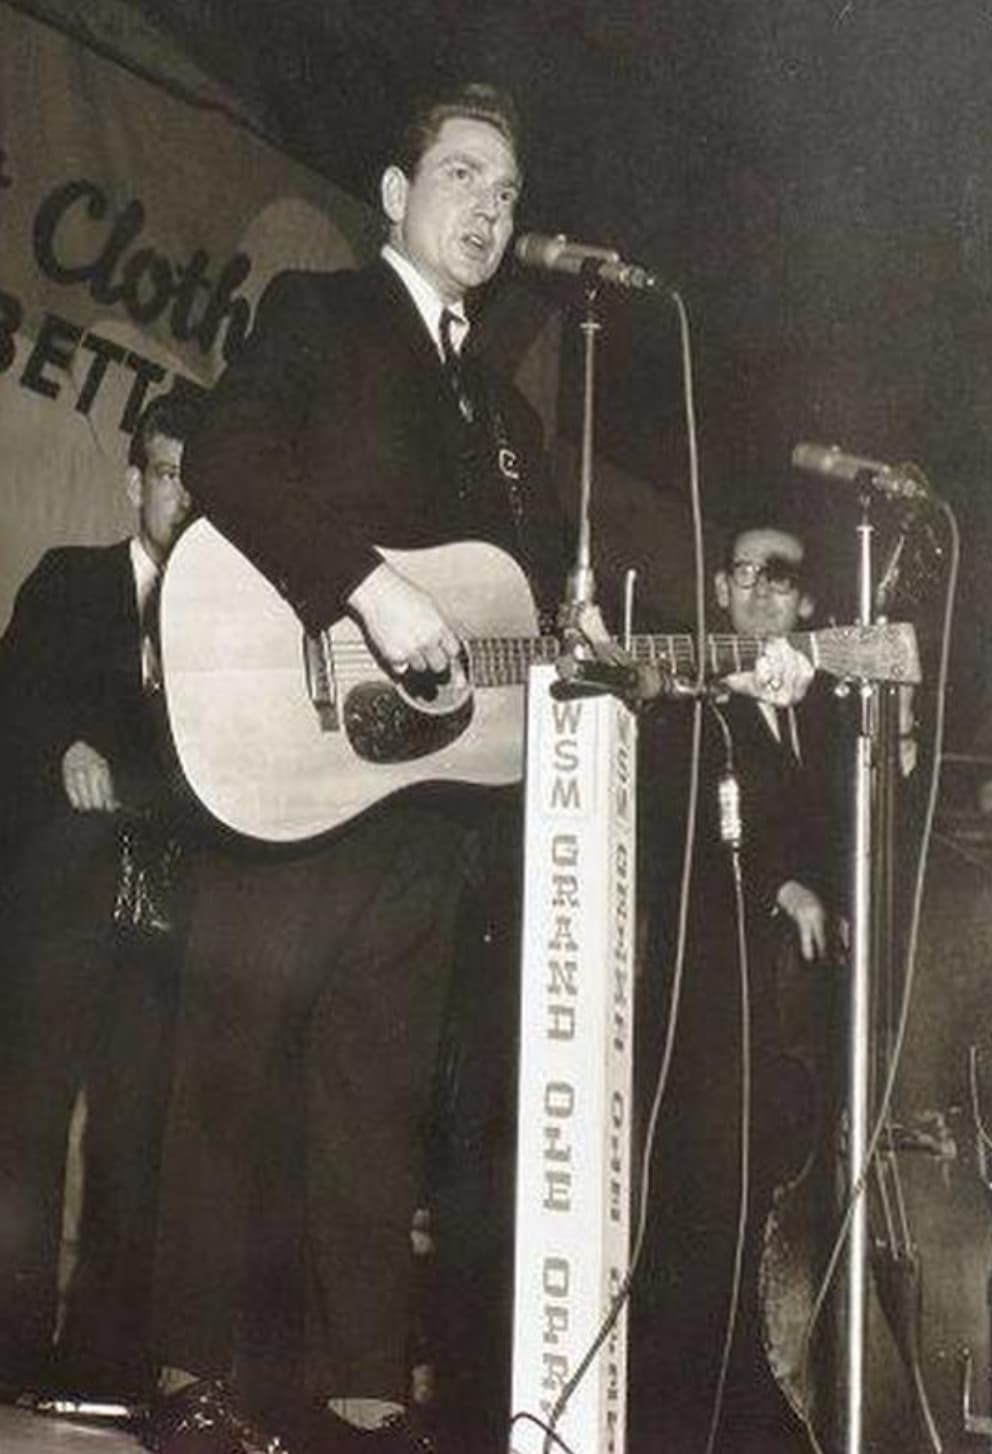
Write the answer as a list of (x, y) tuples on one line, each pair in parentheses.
[(321, 682)]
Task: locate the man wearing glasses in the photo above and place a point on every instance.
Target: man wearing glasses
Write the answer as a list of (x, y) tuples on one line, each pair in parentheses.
[(791, 855), (765, 592)]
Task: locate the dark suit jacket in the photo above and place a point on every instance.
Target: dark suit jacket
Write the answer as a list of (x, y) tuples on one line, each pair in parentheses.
[(793, 828), (79, 1002), (336, 430), (795, 814), (794, 817), (70, 670)]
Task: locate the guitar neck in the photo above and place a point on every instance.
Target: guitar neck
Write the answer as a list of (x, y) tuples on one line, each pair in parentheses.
[(725, 653), (504, 661)]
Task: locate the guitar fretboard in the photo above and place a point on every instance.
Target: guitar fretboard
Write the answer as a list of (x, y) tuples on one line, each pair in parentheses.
[(504, 661)]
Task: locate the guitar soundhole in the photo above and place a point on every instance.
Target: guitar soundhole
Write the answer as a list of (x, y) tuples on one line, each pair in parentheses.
[(382, 727)]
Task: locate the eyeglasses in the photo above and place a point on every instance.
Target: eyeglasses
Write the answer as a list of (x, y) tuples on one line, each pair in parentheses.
[(779, 576)]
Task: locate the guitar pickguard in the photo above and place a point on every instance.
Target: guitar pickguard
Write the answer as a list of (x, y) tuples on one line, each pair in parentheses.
[(382, 727)]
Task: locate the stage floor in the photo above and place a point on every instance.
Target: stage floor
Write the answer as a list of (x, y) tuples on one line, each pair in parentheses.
[(22, 1432)]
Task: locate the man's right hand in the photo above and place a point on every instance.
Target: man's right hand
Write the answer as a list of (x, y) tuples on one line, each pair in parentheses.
[(404, 624), (87, 779), (808, 915), (781, 675)]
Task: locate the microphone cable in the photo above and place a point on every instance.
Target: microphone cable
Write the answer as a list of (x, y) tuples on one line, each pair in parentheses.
[(731, 835)]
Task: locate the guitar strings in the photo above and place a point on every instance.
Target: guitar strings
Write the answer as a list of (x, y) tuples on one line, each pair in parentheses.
[(502, 660)]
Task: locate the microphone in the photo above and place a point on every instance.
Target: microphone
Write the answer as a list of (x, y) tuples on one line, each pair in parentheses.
[(558, 255), (617, 672), (829, 460)]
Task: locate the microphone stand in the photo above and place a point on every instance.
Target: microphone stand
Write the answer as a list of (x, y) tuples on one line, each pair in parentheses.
[(580, 586), (591, 663), (589, 666), (859, 1021)]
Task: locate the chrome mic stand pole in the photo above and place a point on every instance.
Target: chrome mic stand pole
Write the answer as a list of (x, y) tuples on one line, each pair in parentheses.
[(859, 1025), (580, 587)]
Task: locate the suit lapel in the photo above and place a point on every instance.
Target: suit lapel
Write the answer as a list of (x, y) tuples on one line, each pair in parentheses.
[(401, 317), (122, 612)]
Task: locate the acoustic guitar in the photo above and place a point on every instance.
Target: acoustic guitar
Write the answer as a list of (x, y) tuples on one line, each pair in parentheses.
[(284, 736)]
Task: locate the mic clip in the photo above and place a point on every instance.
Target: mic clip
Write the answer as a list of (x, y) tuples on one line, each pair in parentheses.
[(586, 671), (592, 663), (590, 676)]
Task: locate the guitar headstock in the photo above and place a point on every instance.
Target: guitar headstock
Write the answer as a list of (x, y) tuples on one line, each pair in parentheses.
[(886, 652)]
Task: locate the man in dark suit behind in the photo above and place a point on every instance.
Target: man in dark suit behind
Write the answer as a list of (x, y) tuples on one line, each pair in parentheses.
[(794, 837), (88, 979), (354, 419)]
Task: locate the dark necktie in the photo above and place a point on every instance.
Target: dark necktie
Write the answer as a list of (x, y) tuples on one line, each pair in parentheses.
[(151, 658), (453, 368), (788, 733)]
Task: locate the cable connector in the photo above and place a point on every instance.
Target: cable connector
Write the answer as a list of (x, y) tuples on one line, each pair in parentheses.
[(728, 792)]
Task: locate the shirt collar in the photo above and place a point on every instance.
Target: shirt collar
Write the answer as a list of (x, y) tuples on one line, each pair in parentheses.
[(429, 304)]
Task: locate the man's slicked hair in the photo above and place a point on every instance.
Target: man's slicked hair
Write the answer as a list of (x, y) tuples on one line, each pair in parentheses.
[(476, 101), (169, 416)]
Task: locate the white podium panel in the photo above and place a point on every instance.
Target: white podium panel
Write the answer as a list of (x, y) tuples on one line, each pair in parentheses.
[(574, 1096)]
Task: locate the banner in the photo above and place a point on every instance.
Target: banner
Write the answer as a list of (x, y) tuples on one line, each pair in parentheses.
[(137, 232)]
